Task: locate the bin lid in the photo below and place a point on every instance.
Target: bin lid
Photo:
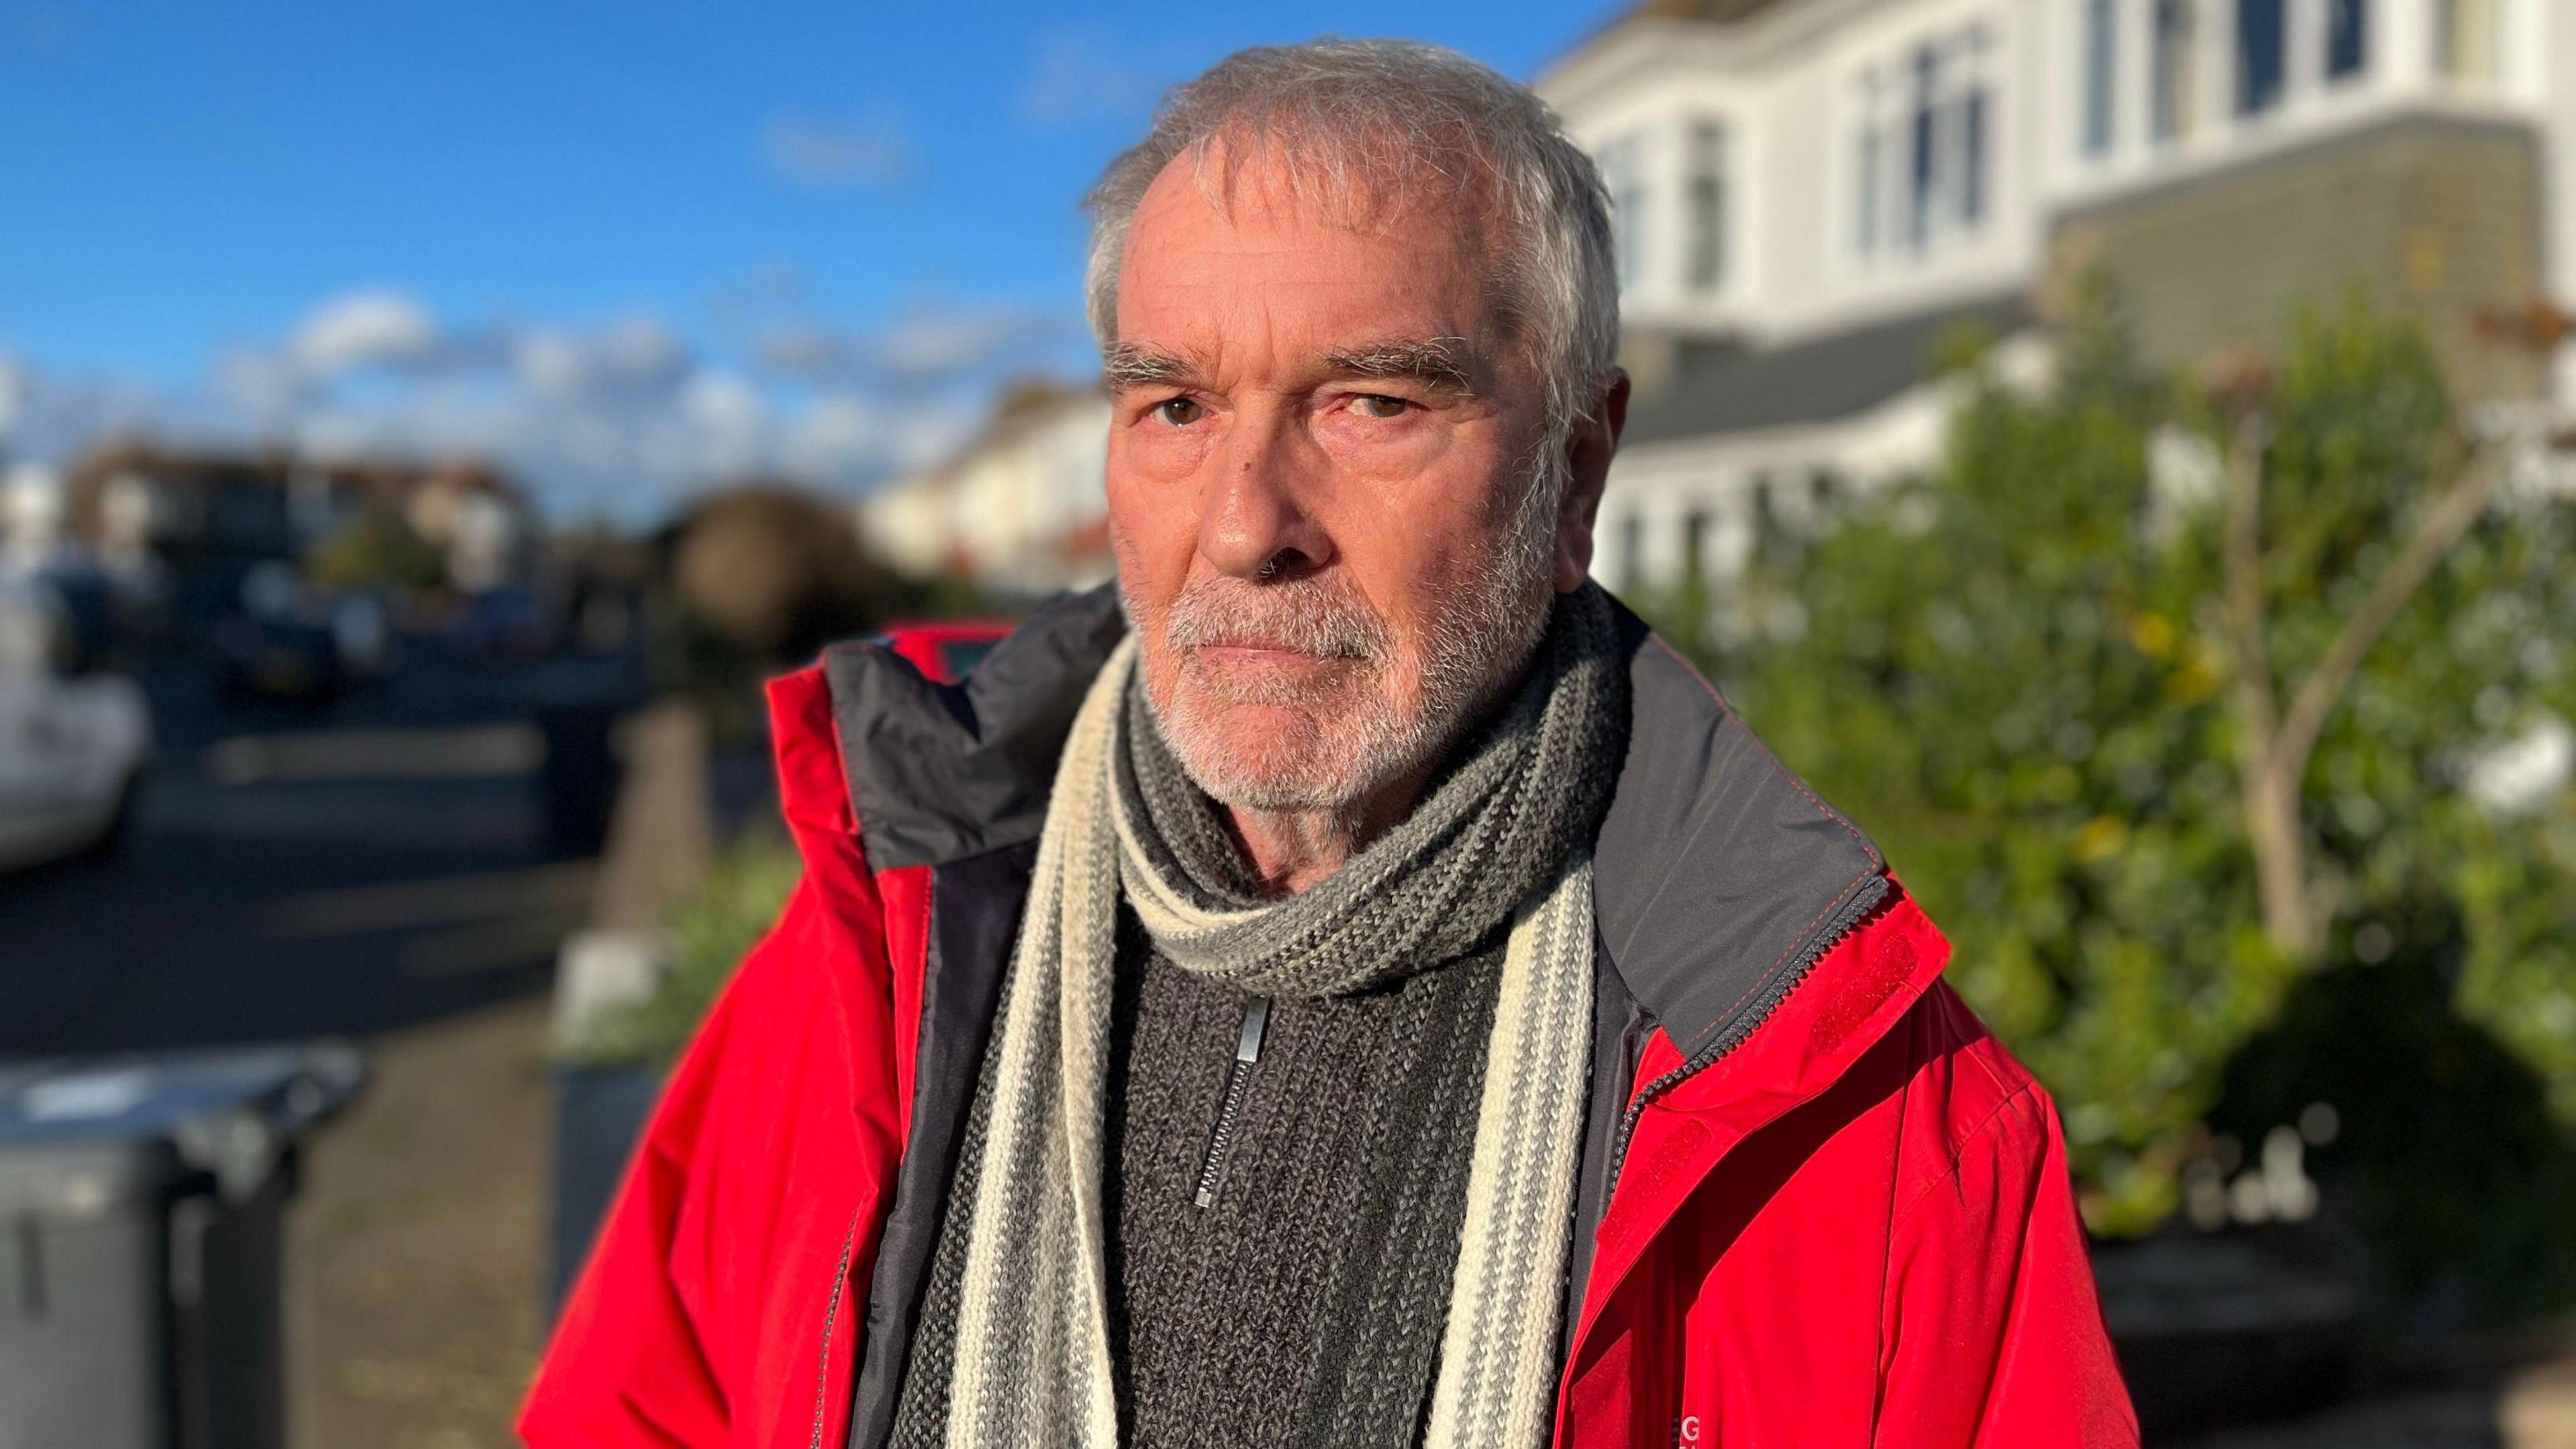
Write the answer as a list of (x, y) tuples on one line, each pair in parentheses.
[(82, 1180), (138, 1117)]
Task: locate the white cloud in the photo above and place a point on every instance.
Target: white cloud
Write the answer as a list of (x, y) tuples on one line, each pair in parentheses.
[(632, 352), (357, 329), (838, 432), (625, 414), (937, 341), (264, 384), (807, 349), (548, 361), (827, 154), (340, 434), (640, 350), (726, 402), (931, 344)]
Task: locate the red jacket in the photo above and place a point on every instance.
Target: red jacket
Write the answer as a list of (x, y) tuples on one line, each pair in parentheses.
[(1820, 1205)]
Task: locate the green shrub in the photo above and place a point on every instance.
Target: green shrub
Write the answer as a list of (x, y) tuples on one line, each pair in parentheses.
[(2015, 672), (373, 548)]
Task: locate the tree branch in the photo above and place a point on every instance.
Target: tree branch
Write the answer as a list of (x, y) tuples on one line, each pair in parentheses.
[(2244, 565), (2435, 532), (2270, 801)]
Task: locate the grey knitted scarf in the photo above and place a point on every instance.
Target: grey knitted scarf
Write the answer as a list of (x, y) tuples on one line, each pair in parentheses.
[(1503, 835)]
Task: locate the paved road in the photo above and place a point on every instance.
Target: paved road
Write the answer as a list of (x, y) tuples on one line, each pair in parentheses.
[(292, 873)]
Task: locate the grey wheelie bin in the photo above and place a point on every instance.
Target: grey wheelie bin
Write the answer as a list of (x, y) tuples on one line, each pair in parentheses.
[(141, 1203)]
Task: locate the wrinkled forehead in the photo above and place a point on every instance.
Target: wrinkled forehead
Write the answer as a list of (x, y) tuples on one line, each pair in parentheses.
[(1245, 204)]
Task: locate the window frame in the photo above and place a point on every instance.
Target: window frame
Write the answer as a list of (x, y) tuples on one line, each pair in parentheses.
[(2249, 103), (2098, 76), (1623, 163), (1708, 242), (2347, 22), (2173, 70)]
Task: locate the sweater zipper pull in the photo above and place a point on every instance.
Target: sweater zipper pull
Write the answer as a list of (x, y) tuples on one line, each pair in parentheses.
[(1238, 1080)]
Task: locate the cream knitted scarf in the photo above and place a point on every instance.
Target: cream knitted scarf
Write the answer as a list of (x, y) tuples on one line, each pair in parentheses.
[(1032, 1357)]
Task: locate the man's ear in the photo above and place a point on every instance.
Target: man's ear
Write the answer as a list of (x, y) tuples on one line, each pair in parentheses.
[(1588, 450)]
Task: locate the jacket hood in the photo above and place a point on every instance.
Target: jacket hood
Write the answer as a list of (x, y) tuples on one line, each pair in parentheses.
[(1718, 874)]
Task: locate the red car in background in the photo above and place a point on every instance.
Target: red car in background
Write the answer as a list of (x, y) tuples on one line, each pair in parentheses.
[(946, 650)]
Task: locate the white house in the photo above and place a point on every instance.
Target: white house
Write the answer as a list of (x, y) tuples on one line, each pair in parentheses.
[(1810, 193), (1021, 508)]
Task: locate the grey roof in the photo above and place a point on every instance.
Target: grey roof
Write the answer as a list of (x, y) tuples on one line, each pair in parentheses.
[(1717, 12), (1729, 388)]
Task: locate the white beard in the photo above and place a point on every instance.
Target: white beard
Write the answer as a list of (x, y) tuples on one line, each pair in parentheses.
[(1358, 736)]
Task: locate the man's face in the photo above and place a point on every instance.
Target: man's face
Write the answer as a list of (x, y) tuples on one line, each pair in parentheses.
[(1321, 454)]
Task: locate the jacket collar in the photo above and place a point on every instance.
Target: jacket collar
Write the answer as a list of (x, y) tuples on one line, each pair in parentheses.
[(1719, 877), (940, 772)]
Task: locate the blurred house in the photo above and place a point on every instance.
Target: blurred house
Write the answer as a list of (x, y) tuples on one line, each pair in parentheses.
[(1810, 194), (46, 573), (31, 518), (473, 517), (1019, 510), (202, 521)]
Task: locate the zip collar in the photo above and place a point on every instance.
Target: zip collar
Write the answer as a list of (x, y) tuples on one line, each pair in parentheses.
[(1719, 879)]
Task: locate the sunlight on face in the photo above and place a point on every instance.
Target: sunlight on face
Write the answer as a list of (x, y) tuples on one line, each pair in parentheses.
[(1321, 467)]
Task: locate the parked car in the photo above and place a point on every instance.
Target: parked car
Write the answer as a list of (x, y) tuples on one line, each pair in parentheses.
[(499, 626), (294, 642), (72, 748), (277, 658)]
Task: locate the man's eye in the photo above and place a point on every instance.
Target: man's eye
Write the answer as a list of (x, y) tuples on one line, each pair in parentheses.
[(1180, 412), (1376, 405)]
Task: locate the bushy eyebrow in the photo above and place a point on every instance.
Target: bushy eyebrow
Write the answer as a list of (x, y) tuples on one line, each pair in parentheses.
[(1445, 364), (1127, 367)]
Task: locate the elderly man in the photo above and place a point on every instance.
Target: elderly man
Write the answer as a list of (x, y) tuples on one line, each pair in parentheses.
[(1353, 985)]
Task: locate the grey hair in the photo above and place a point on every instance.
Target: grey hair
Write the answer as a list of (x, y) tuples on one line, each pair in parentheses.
[(1397, 116)]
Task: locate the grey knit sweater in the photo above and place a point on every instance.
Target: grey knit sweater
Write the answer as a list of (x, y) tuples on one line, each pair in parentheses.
[(1303, 1304)]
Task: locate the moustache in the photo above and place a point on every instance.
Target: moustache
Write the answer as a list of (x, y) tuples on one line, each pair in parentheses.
[(1306, 617)]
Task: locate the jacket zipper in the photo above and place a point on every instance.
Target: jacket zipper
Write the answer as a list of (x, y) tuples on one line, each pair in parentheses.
[(831, 1317), (1238, 1081), (1836, 927)]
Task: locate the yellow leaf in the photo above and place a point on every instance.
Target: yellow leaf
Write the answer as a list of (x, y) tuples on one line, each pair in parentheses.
[(2100, 838), (2153, 635)]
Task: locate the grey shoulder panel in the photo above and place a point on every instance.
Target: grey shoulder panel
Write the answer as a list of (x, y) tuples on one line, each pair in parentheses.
[(1716, 870), (942, 772)]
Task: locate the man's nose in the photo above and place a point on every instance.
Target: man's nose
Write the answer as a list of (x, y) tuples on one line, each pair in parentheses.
[(1258, 524)]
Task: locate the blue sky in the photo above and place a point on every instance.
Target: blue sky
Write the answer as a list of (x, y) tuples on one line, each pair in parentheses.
[(621, 246)]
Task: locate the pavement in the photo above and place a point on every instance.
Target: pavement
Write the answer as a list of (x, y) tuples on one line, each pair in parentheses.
[(415, 1253)]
